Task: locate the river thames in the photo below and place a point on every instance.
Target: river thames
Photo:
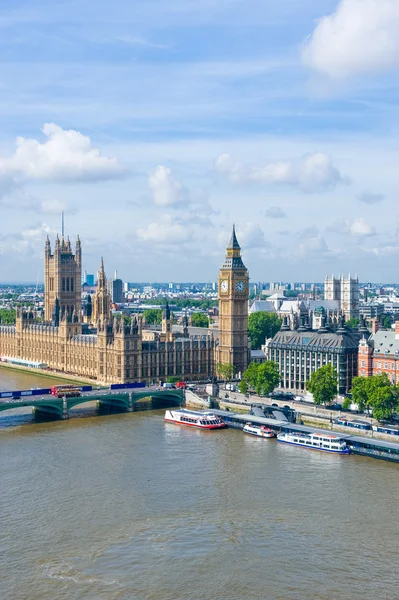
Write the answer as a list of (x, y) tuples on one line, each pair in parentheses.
[(126, 507)]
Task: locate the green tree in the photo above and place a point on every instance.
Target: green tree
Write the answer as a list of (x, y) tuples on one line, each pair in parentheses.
[(243, 387), (262, 377), (386, 321), (377, 393), (360, 392), (352, 323), (7, 316), (384, 402), (226, 370), (153, 316), (173, 379), (346, 404), (199, 320), (323, 384), (262, 325)]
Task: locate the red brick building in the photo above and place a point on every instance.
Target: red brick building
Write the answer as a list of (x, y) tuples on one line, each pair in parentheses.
[(380, 353)]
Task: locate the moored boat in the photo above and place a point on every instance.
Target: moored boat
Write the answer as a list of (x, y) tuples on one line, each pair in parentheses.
[(259, 430), (315, 441), (192, 418)]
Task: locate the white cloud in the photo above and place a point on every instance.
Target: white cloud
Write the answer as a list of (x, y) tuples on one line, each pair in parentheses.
[(15, 197), (361, 36), (314, 247), (29, 241), (370, 198), (356, 228), (66, 155), (225, 164), (311, 231), (311, 173), (166, 190), (251, 236), (166, 231), (275, 212)]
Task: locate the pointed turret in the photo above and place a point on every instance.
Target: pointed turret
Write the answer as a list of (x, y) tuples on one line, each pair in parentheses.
[(233, 258), (56, 313), (185, 325), (233, 243), (102, 280), (102, 300), (47, 247), (89, 308), (166, 312)]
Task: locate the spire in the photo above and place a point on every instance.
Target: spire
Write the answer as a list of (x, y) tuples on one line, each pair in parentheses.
[(47, 247), (56, 313), (166, 312), (233, 243), (233, 253), (101, 278)]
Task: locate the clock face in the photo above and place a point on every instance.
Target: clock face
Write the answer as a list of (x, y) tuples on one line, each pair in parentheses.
[(240, 286), (224, 286)]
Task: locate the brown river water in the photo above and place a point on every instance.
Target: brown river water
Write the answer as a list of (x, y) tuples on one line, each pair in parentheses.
[(126, 507)]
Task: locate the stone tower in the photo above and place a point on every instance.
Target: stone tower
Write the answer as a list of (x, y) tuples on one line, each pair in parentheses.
[(62, 278), (233, 308), (101, 305), (346, 291), (167, 324)]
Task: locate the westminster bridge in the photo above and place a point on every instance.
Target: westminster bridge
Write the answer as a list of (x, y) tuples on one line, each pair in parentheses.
[(123, 401)]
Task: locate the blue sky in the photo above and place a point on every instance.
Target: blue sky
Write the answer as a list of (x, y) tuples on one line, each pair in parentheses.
[(156, 124)]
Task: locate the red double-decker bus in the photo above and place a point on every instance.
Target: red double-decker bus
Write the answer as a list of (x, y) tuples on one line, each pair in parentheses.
[(65, 390)]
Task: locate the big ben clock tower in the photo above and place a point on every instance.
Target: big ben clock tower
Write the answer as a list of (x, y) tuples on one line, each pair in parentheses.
[(233, 308)]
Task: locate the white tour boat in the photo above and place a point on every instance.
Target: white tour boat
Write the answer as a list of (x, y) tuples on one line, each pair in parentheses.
[(192, 418), (315, 441), (259, 430)]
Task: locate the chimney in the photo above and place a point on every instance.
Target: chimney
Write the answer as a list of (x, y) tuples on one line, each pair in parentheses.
[(374, 326), (396, 330)]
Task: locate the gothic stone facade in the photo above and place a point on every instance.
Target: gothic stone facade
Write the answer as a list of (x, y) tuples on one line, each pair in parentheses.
[(107, 349), (346, 291), (233, 309)]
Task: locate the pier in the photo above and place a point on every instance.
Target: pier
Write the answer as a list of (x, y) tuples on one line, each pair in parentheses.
[(364, 446)]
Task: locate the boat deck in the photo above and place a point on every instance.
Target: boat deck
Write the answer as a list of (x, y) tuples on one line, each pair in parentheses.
[(366, 446)]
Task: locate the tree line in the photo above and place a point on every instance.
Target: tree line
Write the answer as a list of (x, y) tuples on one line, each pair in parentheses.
[(7, 316), (375, 393)]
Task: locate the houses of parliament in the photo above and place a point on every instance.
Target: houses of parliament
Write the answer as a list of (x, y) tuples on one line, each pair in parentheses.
[(96, 345)]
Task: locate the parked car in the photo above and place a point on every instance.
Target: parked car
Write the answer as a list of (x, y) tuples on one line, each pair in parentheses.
[(278, 395)]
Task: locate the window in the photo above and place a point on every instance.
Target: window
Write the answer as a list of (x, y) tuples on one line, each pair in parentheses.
[(363, 363)]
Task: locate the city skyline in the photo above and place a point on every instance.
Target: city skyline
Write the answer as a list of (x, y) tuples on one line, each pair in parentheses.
[(155, 134)]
